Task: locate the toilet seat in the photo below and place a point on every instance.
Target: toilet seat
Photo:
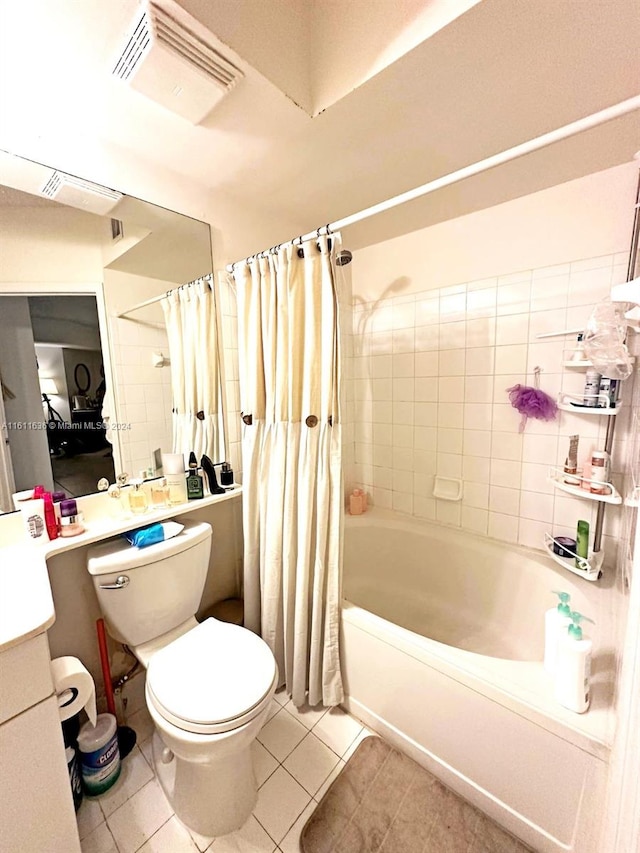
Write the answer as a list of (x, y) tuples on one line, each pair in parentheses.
[(212, 679)]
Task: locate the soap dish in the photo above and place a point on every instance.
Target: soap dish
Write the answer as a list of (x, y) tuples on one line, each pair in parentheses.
[(447, 489)]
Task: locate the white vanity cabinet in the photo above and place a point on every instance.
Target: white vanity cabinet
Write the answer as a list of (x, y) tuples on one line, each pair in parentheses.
[(36, 804)]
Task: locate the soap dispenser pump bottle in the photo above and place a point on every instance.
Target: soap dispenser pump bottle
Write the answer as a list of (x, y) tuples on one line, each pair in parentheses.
[(556, 621), (573, 668)]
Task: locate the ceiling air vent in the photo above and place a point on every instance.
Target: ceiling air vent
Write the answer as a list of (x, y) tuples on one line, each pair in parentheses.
[(76, 192), (168, 63)]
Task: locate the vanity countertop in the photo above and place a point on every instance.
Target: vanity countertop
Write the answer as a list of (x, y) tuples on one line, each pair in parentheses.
[(26, 603)]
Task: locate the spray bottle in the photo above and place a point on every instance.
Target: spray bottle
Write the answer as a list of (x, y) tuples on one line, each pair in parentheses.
[(556, 621), (573, 666)]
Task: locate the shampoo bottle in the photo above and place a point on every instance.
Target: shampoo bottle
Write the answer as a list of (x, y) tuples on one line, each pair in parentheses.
[(582, 544), (573, 666), (556, 621)]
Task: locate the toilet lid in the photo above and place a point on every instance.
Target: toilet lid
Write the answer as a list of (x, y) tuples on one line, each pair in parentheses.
[(211, 675)]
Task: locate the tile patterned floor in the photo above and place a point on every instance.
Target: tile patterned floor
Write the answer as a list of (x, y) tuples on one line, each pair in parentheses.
[(299, 752)]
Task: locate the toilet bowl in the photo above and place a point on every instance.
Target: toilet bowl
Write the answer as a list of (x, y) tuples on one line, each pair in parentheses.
[(208, 686), (208, 694)]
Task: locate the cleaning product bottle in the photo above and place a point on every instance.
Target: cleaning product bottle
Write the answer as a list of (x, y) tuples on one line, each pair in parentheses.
[(556, 621), (573, 666)]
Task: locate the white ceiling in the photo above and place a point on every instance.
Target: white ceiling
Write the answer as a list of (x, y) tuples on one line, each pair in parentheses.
[(404, 99)]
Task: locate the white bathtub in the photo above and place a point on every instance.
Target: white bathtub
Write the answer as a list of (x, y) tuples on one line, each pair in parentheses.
[(442, 648)]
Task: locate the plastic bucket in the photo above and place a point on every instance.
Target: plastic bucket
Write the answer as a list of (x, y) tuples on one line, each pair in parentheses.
[(99, 754)]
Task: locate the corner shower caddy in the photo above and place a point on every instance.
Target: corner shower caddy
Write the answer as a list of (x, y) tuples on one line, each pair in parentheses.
[(589, 568)]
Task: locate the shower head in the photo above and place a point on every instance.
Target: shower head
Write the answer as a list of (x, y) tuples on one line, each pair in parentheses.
[(343, 257)]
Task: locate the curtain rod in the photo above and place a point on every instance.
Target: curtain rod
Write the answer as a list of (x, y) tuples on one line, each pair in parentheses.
[(154, 299), (579, 126)]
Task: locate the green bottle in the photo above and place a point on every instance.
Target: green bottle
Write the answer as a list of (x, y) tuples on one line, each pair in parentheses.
[(582, 544), (195, 488)]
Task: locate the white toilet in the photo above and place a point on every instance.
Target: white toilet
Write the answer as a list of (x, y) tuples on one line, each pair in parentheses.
[(208, 686)]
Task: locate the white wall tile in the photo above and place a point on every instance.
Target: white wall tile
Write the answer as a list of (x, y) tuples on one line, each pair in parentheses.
[(450, 388), (478, 389), (511, 359), (477, 442), (449, 465), (450, 415), (536, 506), (426, 414), (448, 512), (427, 338), (512, 329), (476, 520), (480, 361), (504, 500), (452, 362), (424, 508), (476, 495), (476, 469), (426, 363), (426, 389), (503, 527), (505, 473), (481, 332), (450, 440)]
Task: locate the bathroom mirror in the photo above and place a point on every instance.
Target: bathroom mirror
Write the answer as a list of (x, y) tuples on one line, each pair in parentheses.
[(79, 240)]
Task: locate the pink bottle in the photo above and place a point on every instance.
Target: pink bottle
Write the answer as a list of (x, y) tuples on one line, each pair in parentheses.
[(356, 502)]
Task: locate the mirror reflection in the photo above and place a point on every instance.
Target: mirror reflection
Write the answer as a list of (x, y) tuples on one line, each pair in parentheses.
[(72, 263)]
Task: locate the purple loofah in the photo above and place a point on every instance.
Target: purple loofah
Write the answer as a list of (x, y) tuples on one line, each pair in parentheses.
[(532, 403)]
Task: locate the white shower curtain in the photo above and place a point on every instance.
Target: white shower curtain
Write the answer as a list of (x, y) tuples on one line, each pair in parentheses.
[(292, 464), (190, 317)]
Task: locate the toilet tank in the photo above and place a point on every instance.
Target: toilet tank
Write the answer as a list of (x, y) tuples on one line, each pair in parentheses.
[(163, 583)]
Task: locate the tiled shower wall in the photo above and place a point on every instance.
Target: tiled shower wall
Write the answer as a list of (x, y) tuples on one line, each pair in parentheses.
[(427, 381)]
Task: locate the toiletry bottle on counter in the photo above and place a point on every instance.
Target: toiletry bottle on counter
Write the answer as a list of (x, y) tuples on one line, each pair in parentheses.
[(600, 473), (70, 519), (573, 666), (50, 516), (160, 492), (578, 352), (356, 503), (32, 511), (173, 469), (582, 543), (592, 387), (571, 477), (556, 620), (609, 387), (226, 475), (138, 502), (195, 488)]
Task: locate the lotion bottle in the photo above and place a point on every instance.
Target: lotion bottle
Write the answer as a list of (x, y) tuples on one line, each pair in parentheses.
[(556, 621), (573, 667)]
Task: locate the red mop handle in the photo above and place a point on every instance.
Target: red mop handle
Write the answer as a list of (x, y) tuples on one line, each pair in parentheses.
[(106, 669)]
